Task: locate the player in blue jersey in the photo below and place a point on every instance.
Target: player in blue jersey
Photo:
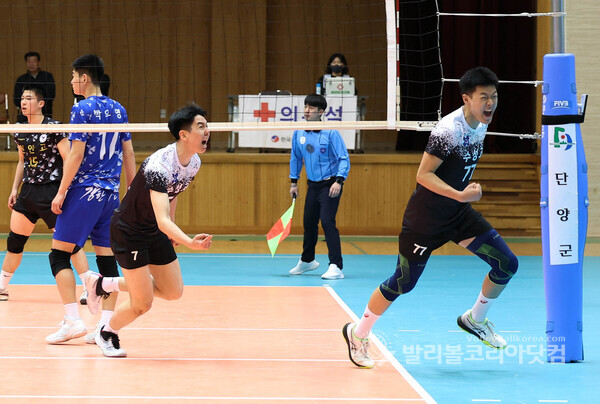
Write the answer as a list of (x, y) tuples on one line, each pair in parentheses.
[(327, 165), (439, 211), (88, 194)]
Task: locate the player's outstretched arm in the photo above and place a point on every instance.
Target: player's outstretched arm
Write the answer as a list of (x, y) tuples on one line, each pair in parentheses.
[(162, 212)]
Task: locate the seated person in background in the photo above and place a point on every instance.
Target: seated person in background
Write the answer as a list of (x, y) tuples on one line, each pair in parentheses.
[(336, 67), (38, 76)]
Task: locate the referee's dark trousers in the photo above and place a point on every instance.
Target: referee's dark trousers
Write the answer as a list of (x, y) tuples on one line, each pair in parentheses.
[(318, 205)]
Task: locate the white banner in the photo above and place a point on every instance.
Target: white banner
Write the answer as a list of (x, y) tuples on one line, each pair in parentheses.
[(563, 195), (289, 108)]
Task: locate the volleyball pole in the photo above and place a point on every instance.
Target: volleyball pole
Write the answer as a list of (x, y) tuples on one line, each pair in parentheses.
[(564, 208)]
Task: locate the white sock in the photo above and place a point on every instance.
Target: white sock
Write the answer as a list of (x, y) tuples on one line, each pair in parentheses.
[(105, 317), (365, 324), (5, 278), (110, 284), (72, 311), (82, 277), (109, 329), (481, 307)]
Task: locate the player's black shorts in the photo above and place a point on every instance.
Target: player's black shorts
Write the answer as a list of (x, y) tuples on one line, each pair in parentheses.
[(35, 202), (135, 250), (417, 247)]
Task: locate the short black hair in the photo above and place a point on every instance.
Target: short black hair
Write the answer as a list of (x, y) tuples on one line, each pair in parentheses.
[(316, 100), (29, 54), (477, 76), (104, 84), (37, 89), (91, 65), (184, 117), (342, 59)]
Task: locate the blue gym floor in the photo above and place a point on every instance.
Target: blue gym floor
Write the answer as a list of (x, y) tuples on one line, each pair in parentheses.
[(420, 328)]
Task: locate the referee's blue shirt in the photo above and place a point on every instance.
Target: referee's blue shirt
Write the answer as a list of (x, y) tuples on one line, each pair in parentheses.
[(324, 153)]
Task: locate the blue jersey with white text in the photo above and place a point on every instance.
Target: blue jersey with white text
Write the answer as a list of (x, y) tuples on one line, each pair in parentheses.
[(103, 159), (322, 151)]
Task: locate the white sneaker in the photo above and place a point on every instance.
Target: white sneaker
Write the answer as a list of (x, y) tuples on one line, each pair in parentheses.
[(95, 293), (69, 329), (90, 338), (484, 330), (3, 295), (109, 343), (302, 267), (333, 272), (83, 298), (358, 349)]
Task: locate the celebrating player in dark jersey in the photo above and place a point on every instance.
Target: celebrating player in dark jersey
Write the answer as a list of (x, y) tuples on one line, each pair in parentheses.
[(439, 211), (143, 232), (39, 170)]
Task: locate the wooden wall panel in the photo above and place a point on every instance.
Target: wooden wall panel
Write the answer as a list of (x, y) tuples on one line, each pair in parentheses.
[(161, 54), (246, 193)]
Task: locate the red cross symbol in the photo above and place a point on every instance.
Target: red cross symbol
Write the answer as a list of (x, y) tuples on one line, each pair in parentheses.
[(264, 113)]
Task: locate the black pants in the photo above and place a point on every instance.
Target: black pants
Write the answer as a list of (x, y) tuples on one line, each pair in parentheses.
[(318, 205)]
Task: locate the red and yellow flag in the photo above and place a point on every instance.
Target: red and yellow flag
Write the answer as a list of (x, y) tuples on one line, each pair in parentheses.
[(281, 229)]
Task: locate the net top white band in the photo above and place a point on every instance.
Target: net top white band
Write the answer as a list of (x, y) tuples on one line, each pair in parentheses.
[(214, 126), (419, 126), (550, 14)]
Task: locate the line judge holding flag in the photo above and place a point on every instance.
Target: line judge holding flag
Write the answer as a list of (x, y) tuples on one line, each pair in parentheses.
[(327, 166)]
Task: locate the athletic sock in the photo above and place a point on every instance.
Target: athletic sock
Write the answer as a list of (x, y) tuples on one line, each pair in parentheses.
[(5, 278), (365, 324), (105, 317), (72, 311), (110, 284), (481, 307), (82, 277), (108, 329)]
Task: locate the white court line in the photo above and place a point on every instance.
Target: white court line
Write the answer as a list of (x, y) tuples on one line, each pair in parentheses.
[(502, 331), (190, 329), (485, 400), (193, 255), (553, 401), (387, 354), (175, 398), (51, 358)]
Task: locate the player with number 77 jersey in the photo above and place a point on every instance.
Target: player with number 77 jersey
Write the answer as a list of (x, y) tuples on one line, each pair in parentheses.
[(88, 194), (440, 211)]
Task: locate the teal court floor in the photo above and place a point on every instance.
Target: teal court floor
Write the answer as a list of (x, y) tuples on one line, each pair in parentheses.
[(420, 328)]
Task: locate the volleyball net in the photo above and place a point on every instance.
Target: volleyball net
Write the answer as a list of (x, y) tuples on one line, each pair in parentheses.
[(251, 64)]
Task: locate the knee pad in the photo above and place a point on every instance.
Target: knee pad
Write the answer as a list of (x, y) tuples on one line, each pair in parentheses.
[(15, 243), (107, 266), (491, 248), (404, 279), (75, 249), (59, 260)]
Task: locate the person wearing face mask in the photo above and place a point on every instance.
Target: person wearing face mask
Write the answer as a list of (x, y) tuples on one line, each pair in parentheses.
[(440, 211), (336, 67)]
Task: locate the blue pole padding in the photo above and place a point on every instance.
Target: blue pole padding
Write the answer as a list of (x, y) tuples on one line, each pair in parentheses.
[(564, 209)]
